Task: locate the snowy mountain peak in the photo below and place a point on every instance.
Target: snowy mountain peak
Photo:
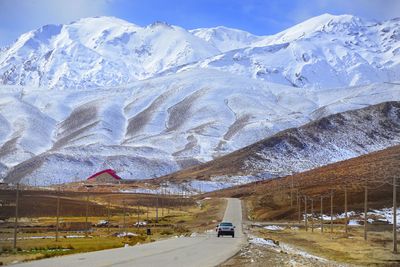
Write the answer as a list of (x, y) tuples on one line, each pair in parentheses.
[(225, 38), (322, 52), (98, 51), (160, 24), (326, 23), (328, 18)]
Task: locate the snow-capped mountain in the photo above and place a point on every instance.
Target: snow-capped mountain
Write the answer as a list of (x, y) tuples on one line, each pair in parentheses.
[(226, 39), (101, 51), (323, 52), (148, 101)]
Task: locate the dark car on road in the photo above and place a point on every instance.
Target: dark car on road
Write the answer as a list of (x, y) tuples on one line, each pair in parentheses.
[(225, 228)]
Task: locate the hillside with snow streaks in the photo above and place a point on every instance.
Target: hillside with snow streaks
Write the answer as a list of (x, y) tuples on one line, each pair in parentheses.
[(328, 140), (157, 126)]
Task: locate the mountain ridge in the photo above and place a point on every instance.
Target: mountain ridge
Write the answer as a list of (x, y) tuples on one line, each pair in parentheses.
[(107, 51), (329, 140)]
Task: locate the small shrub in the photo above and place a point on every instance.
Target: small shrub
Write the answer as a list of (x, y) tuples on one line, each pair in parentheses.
[(166, 232), (181, 229)]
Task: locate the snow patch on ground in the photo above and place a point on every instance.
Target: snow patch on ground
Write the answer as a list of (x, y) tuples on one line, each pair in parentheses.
[(381, 215), (126, 234), (262, 241), (274, 228), (282, 247)]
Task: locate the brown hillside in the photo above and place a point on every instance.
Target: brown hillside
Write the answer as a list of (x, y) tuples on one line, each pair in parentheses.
[(271, 199), (334, 138)]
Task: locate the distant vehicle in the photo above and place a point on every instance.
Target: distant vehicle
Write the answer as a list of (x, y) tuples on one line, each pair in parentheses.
[(102, 223), (225, 228), (140, 224)]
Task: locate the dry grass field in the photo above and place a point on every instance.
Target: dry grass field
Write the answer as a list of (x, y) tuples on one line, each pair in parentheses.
[(37, 222)]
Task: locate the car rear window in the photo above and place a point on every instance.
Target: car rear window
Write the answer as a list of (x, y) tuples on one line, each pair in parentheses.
[(226, 224)]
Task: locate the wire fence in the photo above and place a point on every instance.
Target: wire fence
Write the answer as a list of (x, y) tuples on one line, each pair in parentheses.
[(28, 213)]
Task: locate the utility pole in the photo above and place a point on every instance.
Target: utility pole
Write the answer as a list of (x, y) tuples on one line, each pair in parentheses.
[(157, 210), (138, 218), (108, 216), (345, 211), (305, 213), (162, 201), (312, 215), (365, 212), (322, 215), (16, 217), (124, 216), (291, 193), (298, 207), (394, 215), (169, 200), (87, 213), (58, 213), (331, 211), (181, 195)]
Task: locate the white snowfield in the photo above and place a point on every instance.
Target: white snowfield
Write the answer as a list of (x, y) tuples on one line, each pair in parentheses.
[(147, 101)]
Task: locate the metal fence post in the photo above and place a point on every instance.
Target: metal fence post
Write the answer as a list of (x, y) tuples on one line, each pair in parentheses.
[(16, 217)]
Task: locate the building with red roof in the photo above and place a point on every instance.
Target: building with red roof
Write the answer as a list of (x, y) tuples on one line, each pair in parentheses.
[(106, 176)]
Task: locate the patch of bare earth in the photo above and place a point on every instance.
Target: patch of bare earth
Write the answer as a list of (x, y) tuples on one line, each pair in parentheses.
[(257, 256)]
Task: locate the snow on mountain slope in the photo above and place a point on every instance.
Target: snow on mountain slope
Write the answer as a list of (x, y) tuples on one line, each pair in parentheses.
[(226, 39), (334, 138), (157, 126), (328, 140), (323, 52), (25, 130), (101, 51), (152, 100)]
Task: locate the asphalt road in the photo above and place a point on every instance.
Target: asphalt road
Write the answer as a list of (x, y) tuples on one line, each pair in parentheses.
[(201, 250)]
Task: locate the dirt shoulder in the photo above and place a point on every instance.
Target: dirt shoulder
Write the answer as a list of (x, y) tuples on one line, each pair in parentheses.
[(278, 245)]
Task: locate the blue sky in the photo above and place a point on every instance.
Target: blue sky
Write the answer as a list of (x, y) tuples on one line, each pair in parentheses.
[(260, 17)]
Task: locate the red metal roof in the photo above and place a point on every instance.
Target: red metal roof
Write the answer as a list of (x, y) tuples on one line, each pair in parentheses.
[(109, 171)]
